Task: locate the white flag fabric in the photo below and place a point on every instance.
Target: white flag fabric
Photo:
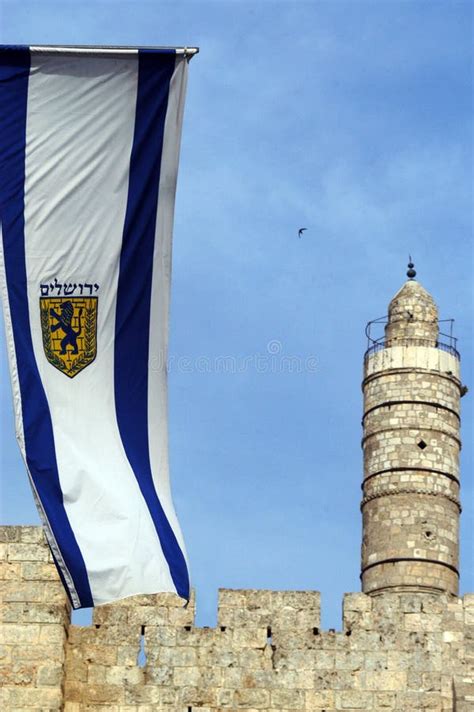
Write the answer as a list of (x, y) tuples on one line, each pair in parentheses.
[(89, 146)]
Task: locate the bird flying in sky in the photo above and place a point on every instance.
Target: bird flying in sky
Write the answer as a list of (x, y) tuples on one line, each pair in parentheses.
[(301, 231)]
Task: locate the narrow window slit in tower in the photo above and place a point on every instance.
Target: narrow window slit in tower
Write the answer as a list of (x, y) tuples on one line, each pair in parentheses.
[(223, 628), (190, 709), (141, 657), (187, 627), (422, 445), (315, 631), (269, 636)]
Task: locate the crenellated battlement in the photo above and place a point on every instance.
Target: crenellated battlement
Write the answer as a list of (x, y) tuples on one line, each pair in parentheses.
[(396, 651)]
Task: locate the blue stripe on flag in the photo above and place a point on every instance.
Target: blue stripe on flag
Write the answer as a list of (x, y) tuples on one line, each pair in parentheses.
[(134, 294), (158, 50), (37, 426)]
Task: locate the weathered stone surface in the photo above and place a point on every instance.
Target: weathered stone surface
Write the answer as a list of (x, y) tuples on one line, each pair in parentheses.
[(397, 651), (396, 657)]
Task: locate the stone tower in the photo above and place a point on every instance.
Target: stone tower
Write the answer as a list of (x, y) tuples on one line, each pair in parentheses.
[(411, 450)]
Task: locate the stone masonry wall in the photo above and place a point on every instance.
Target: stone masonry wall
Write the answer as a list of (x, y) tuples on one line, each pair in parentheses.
[(403, 652), (34, 616)]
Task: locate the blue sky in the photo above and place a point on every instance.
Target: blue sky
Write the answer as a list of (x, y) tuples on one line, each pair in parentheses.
[(353, 119)]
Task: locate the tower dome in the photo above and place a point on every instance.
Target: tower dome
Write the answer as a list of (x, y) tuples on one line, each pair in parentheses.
[(412, 316)]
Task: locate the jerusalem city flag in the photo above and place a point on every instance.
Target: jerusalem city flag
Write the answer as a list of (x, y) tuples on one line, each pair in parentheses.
[(89, 147)]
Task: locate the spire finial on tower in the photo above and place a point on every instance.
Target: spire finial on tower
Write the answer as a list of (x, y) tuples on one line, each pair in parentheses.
[(411, 273)]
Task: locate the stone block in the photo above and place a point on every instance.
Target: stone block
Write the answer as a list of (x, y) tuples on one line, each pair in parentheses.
[(410, 603), (103, 654), (111, 635), (381, 680), (182, 616), (384, 700), (196, 696), (349, 660), (358, 602), (33, 535), (433, 604), (183, 676), (232, 677), (200, 637), (97, 694), (468, 601), (288, 699), (324, 659), (51, 634), (76, 670), (39, 652), (123, 654), (282, 659), (231, 598), (36, 698), (34, 613), (160, 635), (315, 699), (73, 692), (79, 636), (258, 699), (112, 614), (10, 533), (28, 552), (225, 697), (12, 590), (354, 700), (169, 600), (96, 674), (158, 675), (376, 660), (124, 675), (15, 634), (422, 621), (50, 675), (17, 674), (10, 571), (39, 571), (450, 636), (5, 654), (150, 616), (419, 701), (184, 657), (248, 638)]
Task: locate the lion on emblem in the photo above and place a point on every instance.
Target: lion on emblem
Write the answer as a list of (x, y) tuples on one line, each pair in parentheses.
[(64, 320)]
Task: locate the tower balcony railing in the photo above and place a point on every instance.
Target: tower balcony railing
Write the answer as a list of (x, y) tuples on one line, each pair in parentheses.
[(445, 341)]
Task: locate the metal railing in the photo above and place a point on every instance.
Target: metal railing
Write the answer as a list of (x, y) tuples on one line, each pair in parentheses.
[(444, 342)]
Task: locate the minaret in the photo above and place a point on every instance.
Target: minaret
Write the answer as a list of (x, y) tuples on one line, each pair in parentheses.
[(411, 447)]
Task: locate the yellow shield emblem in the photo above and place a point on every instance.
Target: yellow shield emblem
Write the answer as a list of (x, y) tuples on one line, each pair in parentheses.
[(69, 328)]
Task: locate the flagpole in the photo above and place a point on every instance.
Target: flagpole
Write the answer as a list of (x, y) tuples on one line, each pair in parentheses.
[(103, 50)]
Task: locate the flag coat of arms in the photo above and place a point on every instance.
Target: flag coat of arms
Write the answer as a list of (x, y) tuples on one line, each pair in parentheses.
[(89, 147)]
